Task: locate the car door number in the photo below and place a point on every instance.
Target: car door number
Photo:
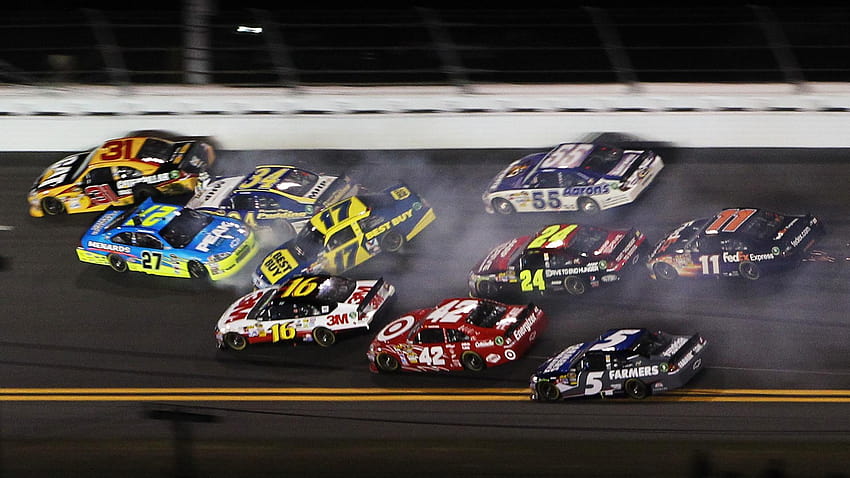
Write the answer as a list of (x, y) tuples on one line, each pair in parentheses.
[(151, 260), (593, 383), (432, 355), (710, 264)]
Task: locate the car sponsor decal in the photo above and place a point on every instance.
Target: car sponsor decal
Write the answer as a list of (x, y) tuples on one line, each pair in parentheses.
[(219, 232), (58, 173), (108, 247), (152, 179), (396, 328), (633, 372)]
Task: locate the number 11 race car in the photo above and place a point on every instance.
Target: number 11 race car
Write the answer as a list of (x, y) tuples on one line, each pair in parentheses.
[(313, 308), (634, 362), (738, 242)]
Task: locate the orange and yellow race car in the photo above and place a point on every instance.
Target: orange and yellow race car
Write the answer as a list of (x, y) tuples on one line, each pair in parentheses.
[(120, 172)]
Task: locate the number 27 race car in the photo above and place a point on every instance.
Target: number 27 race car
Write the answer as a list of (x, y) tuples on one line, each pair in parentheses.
[(634, 362)]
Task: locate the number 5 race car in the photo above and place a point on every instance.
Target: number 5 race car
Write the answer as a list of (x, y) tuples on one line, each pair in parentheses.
[(559, 257), (457, 334), (167, 240), (740, 242), (309, 308), (118, 173), (634, 362), (584, 177)]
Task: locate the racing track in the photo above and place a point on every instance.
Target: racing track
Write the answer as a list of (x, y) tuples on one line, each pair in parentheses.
[(88, 358)]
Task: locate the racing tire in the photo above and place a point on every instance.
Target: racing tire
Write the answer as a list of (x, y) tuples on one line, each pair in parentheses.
[(324, 336), (386, 362), (575, 285), (588, 206), (392, 242), (472, 361), (547, 392), (636, 389), (749, 270), (235, 341), (665, 272), (117, 263), (52, 206), (197, 270), (503, 207)]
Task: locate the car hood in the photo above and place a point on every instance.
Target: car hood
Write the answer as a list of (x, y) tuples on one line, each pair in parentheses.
[(60, 172), (240, 311), (219, 236), (563, 360), (514, 174)]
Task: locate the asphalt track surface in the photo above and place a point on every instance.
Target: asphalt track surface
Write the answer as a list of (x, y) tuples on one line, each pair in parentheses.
[(93, 364)]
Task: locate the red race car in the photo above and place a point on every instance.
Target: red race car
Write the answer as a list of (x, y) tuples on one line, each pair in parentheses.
[(457, 334)]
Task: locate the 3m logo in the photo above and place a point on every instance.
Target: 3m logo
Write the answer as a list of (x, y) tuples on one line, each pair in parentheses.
[(337, 319)]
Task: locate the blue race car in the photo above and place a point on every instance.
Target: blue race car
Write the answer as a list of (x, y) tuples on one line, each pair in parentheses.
[(168, 240), (347, 234), (272, 196)]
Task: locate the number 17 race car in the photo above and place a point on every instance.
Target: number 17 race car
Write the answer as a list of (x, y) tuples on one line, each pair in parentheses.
[(632, 362)]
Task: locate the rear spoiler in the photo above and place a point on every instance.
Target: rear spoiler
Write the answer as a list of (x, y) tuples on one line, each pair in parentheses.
[(523, 315), (637, 164), (686, 349), (371, 295)]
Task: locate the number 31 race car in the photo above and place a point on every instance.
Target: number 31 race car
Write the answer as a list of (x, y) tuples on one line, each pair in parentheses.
[(167, 240), (118, 173), (309, 308), (457, 334), (634, 362)]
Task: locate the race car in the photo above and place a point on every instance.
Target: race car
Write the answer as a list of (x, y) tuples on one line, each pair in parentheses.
[(458, 334), (735, 242), (120, 172), (311, 308), (632, 362), (558, 258), (168, 240), (272, 196), (584, 177), (348, 233)]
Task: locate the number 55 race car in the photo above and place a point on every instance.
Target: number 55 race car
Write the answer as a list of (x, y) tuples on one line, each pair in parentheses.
[(167, 240), (584, 177), (457, 334), (118, 173), (634, 362), (309, 308)]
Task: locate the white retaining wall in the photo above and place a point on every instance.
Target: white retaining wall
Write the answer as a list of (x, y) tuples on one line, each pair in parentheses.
[(498, 116)]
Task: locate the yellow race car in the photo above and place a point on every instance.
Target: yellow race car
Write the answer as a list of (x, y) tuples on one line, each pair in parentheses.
[(120, 172)]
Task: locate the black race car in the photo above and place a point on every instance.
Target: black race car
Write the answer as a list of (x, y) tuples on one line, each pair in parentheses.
[(634, 362), (735, 242)]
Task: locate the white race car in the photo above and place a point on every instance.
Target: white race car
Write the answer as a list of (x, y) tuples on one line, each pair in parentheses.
[(311, 308), (586, 177)]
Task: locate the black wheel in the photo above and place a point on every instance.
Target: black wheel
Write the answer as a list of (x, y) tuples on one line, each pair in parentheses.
[(234, 341), (386, 362), (664, 271), (324, 336), (636, 389), (575, 285), (749, 270), (472, 361), (547, 392), (487, 289), (197, 270), (117, 263), (392, 241), (503, 206), (52, 206), (588, 206), (140, 193)]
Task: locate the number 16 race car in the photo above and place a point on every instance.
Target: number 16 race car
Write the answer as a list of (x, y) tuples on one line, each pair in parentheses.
[(313, 308), (634, 362)]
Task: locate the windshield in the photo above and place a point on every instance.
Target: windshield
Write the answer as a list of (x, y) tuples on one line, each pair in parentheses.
[(336, 289), (184, 227), (588, 239), (156, 149), (486, 314), (602, 159)]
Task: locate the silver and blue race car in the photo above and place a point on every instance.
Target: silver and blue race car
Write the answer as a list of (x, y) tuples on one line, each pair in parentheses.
[(585, 177), (632, 362), (168, 240)]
